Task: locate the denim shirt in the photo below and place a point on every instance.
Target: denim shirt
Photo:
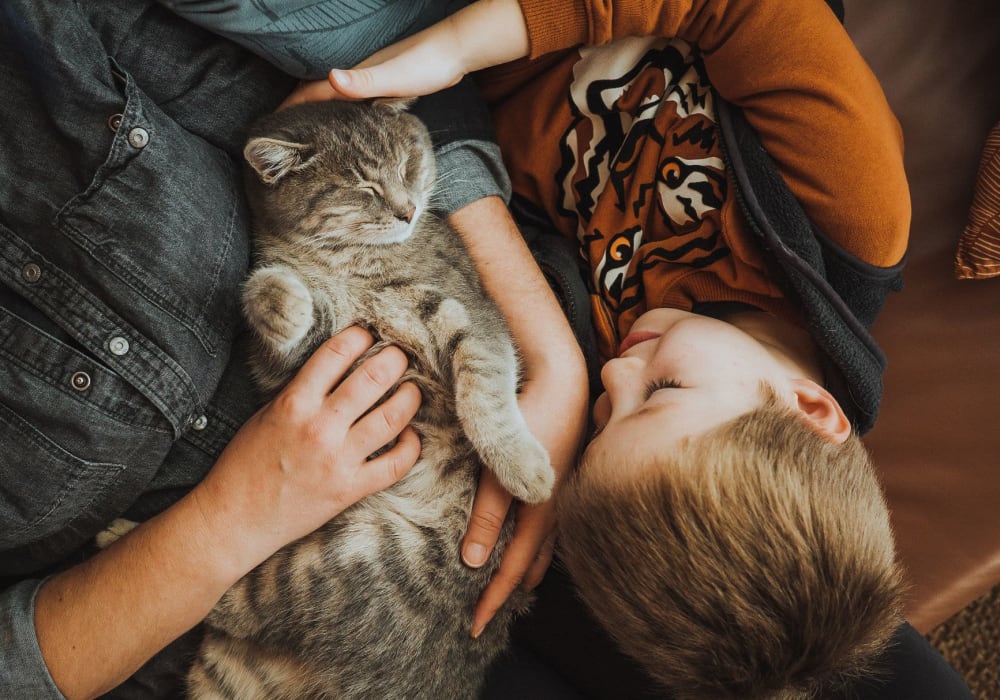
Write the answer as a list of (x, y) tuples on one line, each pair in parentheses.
[(306, 38), (123, 243)]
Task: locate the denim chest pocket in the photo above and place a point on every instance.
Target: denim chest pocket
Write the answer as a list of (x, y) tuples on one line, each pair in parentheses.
[(44, 485), (77, 445), (164, 215)]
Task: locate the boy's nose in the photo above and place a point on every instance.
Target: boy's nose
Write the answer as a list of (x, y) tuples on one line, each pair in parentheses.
[(622, 375)]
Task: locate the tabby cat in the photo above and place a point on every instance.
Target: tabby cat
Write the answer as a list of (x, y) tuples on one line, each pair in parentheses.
[(376, 604)]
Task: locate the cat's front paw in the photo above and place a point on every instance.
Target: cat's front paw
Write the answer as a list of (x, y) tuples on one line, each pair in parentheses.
[(524, 469), (278, 306)]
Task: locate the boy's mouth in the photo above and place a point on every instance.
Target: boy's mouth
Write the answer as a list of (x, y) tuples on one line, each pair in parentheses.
[(634, 338)]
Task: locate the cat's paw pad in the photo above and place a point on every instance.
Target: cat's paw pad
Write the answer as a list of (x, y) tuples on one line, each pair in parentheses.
[(118, 528), (524, 469), (278, 306)]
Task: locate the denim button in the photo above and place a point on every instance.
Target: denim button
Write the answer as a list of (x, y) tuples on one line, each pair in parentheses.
[(31, 273), (118, 345), (114, 121), (200, 423), (80, 381), (138, 137)]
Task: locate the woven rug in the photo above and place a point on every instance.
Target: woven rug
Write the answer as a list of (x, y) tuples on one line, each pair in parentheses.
[(970, 641)]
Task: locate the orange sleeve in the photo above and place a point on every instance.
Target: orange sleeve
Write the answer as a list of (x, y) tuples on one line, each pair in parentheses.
[(819, 110)]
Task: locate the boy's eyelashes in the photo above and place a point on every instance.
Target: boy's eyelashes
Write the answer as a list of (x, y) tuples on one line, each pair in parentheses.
[(658, 384)]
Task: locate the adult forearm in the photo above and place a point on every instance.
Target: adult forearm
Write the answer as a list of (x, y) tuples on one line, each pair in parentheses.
[(98, 622), (298, 462)]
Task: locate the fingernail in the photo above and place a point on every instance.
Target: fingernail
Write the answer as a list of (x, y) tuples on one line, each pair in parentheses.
[(341, 77), (474, 555), (477, 630)]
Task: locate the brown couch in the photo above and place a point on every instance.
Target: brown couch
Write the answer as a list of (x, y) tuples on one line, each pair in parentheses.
[(937, 442)]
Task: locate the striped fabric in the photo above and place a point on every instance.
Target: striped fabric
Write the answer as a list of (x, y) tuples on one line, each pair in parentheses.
[(978, 255)]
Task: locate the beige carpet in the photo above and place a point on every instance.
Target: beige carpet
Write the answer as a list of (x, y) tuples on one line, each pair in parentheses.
[(970, 641)]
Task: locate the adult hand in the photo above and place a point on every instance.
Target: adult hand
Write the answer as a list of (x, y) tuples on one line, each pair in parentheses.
[(295, 464), (303, 458)]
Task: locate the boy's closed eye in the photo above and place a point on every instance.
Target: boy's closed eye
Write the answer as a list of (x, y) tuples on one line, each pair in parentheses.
[(657, 384)]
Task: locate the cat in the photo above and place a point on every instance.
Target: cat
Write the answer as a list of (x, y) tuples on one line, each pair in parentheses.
[(375, 604)]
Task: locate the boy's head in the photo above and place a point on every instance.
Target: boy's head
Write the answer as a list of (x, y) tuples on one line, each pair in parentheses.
[(725, 526)]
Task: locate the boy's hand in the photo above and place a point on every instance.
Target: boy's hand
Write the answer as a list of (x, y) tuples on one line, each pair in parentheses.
[(527, 557), (530, 550), (483, 34)]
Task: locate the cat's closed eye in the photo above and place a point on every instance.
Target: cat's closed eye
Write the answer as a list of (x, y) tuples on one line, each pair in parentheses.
[(370, 189)]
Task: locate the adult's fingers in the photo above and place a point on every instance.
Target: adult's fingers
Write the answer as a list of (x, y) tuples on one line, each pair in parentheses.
[(328, 365), (367, 383), (380, 426), (392, 465), (489, 510)]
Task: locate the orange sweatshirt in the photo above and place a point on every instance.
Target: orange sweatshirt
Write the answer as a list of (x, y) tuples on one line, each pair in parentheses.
[(616, 143)]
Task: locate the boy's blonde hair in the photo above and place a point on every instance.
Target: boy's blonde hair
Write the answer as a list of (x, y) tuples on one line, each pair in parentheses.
[(755, 562)]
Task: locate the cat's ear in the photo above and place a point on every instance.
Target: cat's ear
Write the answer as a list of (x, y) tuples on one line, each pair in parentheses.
[(272, 159), (396, 104)]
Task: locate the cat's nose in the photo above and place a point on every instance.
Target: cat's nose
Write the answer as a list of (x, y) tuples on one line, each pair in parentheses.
[(407, 214)]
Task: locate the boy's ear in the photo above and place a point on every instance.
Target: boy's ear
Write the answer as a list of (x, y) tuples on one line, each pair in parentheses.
[(821, 410), (272, 159)]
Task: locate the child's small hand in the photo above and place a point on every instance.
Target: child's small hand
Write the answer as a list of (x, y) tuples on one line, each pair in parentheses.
[(483, 34), (530, 551), (528, 555)]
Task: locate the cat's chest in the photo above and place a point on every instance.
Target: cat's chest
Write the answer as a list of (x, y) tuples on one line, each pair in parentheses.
[(418, 316)]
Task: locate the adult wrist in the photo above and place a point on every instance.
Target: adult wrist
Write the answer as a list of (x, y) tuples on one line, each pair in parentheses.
[(224, 527)]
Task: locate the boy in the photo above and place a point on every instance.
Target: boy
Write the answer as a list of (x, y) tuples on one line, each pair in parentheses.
[(725, 525)]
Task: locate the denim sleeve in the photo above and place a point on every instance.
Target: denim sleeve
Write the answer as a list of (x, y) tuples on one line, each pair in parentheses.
[(468, 160), (468, 170), (23, 673), (306, 38)]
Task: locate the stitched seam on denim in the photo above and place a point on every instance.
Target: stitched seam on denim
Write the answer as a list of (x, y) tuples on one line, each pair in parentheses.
[(80, 467), (121, 267), (160, 378), (51, 361)]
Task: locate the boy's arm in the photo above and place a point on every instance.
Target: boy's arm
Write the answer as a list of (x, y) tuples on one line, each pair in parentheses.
[(553, 397), (483, 34), (818, 109)]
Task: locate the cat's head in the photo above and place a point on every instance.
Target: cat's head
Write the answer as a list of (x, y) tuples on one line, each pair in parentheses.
[(341, 172)]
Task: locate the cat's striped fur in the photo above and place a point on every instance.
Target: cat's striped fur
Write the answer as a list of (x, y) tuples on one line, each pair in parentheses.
[(376, 604)]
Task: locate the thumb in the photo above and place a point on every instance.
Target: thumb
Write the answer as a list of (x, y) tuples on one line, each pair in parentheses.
[(489, 511), (360, 83)]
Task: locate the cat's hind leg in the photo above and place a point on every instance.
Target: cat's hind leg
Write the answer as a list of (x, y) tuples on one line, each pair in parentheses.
[(227, 668), (118, 528)]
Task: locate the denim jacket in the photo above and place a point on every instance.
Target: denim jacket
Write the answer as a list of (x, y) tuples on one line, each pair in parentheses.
[(123, 242)]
